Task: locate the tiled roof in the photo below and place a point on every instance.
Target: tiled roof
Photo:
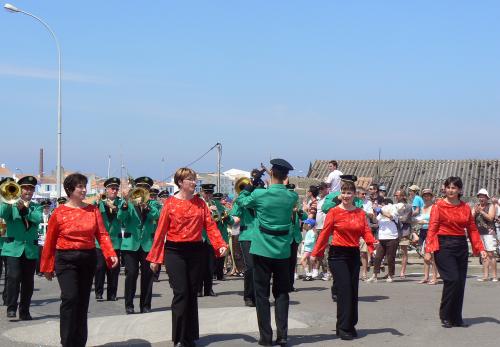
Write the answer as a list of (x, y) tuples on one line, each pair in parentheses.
[(475, 174)]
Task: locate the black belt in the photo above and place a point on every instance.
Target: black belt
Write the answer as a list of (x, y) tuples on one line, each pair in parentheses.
[(243, 228), (11, 239), (274, 232)]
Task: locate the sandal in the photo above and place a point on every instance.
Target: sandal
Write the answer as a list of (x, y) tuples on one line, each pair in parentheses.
[(432, 282), (423, 281), (402, 276), (483, 279), (364, 278)]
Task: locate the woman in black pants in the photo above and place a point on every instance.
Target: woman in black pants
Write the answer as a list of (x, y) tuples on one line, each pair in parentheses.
[(446, 239), (182, 219), (70, 245), (347, 223)]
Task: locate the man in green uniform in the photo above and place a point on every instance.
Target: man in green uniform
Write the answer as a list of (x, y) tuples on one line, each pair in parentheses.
[(271, 249), (21, 247), (246, 217), (109, 212), (224, 220), (297, 216), (140, 222), (206, 285)]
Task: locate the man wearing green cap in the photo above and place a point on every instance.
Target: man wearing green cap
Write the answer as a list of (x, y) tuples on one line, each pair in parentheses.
[(139, 220), (271, 249), (21, 247), (109, 207)]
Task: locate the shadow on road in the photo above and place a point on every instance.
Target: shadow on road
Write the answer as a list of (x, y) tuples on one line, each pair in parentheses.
[(373, 298), (310, 289), (481, 320), (133, 342), (207, 340), (366, 332)]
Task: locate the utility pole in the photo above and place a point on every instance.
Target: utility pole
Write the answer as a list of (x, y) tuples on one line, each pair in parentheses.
[(109, 164), (219, 155)]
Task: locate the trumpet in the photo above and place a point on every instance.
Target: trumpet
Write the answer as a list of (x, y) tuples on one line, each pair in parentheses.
[(138, 196), (10, 192)]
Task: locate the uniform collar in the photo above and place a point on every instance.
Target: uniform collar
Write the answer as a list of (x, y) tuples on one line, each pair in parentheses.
[(277, 186)]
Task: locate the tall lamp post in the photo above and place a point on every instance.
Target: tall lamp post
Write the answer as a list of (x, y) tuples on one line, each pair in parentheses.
[(14, 9)]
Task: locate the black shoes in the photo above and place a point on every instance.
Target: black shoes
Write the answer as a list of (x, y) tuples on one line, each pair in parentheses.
[(345, 335), (200, 295), (98, 297), (446, 324), (249, 303), (11, 314), (281, 341), (112, 298), (25, 316), (263, 343), (460, 324), (210, 293), (145, 310), (129, 310)]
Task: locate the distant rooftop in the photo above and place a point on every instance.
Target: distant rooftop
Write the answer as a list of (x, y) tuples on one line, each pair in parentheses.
[(394, 174)]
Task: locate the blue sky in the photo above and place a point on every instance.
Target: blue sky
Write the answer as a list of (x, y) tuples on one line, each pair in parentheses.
[(302, 80)]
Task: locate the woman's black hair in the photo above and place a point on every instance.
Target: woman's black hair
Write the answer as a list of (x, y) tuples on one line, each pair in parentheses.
[(456, 181), (72, 181), (314, 190)]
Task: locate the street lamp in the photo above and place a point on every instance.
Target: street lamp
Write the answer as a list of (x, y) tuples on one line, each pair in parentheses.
[(14, 9)]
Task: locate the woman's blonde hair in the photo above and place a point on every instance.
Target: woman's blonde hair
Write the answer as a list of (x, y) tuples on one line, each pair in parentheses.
[(183, 173)]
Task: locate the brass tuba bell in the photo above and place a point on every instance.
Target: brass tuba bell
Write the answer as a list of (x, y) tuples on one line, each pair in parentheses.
[(138, 196), (10, 192), (241, 183)]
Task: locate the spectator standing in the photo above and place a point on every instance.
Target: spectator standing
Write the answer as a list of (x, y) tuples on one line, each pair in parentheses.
[(309, 242), (320, 219), (423, 220), (484, 213), (333, 178), (417, 202), (404, 211), (363, 248)]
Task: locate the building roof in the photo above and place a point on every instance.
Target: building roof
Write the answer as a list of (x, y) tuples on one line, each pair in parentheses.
[(394, 174), (5, 172)]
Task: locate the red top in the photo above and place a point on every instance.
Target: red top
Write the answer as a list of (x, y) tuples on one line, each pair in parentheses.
[(183, 221), (75, 229), (347, 227), (452, 220)]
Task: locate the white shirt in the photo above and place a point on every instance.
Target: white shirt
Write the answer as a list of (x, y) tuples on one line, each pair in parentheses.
[(387, 228), (333, 180), (320, 215)]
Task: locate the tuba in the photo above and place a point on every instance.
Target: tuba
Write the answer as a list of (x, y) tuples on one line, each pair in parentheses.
[(138, 196), (241, 183), (10, 192)]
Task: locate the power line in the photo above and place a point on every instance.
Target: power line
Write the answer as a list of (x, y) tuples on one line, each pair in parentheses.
[(198, 159)]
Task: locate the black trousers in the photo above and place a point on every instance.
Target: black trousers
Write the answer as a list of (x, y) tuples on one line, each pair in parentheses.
[(184, 263), (75, 271), (248, 286), (219, 268), (278, 269), (294, 246), (102, 272), (3, 269), (40, 250), (20, 280), (451, 261), (207, 278), (133, 260), (345, 263)]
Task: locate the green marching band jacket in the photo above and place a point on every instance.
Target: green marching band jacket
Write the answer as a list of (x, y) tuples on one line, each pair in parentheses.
[(22, 230), (248, 221), (274, 208), (113, 225), (222, 225), (139, 230), (297, 216)]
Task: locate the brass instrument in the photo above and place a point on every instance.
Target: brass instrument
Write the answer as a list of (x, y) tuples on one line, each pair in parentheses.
[(138, 196), (10, 192), (241, 183), (215, 213)]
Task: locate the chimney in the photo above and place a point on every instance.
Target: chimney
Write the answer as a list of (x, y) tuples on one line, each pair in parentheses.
[(40, 173)]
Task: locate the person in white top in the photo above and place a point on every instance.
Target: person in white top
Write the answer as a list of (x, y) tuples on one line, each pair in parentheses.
[(320, 219), (363, 248), (388, 240), (333, 178)]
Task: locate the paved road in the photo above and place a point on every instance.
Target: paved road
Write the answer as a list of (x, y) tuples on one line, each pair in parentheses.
[(391, 314)]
